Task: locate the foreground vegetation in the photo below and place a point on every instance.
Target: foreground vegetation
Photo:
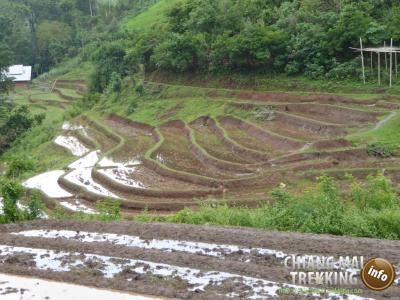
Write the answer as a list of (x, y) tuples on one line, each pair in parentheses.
[(12, 211), (369, 208), (363, 209)]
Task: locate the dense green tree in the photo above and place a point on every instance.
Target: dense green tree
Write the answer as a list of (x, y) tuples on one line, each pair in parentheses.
[(254, 47), (10, 192), (181, 52), (17, 121), (53, 40), (109, 59)]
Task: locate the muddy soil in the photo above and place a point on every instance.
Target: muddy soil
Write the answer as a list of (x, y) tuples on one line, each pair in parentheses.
[(207, 138), (152, 180), (331, 144), (138, 139), (255, 138), (175, 152), (295, 126), (329, 113), (253, 265), (104, 141)]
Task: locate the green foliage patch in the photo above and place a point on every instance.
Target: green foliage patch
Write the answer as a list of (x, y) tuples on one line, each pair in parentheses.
[(366, 209)]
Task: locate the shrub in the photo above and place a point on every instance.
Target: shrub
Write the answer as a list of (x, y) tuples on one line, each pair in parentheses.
[(318, 210), (385, 223), (18, 165), (108, 59), (109, 210), (11, 192), (115, 82), (368, 209), (381, 150), (35, 206), (181, 52), (376, 193), (131, 108)]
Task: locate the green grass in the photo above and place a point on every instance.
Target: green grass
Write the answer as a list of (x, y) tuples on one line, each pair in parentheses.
[(154, 16), (160, 111), (281, 83), (46, 96), (365, 209), (79, 72), (37, 143), (388, 133), (70, 92)]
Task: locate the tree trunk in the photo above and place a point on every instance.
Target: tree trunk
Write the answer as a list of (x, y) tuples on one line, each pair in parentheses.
[(90, 7)]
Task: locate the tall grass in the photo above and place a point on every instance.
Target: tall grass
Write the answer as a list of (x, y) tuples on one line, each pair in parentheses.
[(370, 208)]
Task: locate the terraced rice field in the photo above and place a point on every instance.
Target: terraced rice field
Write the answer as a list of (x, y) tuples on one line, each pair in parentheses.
[(172, 162), (178, 158)]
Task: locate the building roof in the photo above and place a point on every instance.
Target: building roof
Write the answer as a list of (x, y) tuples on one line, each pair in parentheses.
[(19, 73)]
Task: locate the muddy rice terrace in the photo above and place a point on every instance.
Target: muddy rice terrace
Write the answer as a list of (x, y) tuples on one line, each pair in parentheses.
[(254, 142), (257, 141)]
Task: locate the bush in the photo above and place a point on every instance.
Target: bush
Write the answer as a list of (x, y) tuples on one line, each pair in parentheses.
[(376, 193), (381, 150), (115, 83), (35, 206), (108, 59), (318, 210), (367, 209), (314, 71), (18, 165), (345, 70), (385, 223), (11, 192), (181, 53), (109, 210)]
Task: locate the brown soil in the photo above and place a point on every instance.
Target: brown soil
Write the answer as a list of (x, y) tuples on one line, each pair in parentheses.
[(297, 127), (256, 138), (317, 98), (237, 149), (260, 139), (237, 263), (78, 85), (329, 113), (152, 180), (340, 155), (129, 127), (204, 129), (138, 139), (104, 140), (175, 152), (154, 185), (329, 144)]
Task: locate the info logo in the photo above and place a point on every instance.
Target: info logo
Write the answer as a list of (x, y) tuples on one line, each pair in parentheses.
[(378, 274)]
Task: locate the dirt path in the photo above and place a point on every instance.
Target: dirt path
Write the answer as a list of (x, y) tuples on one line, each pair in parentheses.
[(177, 261), (385, 120)]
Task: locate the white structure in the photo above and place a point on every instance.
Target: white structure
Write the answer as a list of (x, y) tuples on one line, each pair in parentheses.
[(20, 74), (387, 51)]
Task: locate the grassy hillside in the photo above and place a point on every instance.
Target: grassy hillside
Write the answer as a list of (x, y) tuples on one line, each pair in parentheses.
[(154, 16)]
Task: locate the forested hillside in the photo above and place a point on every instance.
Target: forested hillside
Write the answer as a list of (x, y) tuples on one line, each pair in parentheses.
[(310, 37), (43, 33)]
